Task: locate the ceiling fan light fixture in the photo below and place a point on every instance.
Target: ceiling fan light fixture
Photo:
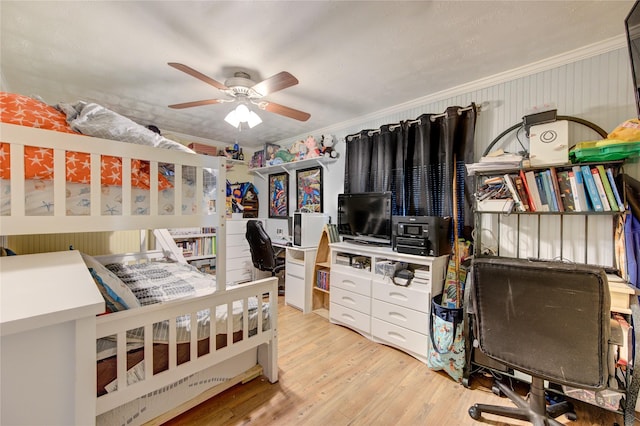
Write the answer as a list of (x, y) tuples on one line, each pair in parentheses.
[(232, 118), (254, 119), (242, 114)]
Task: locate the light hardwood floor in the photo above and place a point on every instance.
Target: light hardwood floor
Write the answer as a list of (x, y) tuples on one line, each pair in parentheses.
[(330, 375)]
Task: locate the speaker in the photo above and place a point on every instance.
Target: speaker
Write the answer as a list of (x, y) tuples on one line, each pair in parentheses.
[(549, 144)]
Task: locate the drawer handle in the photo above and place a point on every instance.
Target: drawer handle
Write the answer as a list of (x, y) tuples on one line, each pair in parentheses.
[(397, 336), (398, 296), (349, 317), (348, 299), (398, 315), (349, 282)]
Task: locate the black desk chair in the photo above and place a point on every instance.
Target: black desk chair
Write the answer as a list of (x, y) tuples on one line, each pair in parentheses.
[(550, 320), (263, 256)]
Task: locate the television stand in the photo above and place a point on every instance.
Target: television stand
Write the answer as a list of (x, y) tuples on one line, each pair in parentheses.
[(364, 298)]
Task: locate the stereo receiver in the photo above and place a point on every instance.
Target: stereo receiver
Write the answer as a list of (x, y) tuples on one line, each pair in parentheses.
[(421, 235)]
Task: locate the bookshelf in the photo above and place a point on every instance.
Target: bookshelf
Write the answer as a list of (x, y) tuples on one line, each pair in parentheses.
[(575, 233), (578, 232), (198, 246), (322, 272)]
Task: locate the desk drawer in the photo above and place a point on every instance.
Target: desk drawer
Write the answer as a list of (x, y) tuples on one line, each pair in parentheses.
[(400, 337), (351, 300), (294, 269), (400, 316), (413, 298), (350, 318), (356, 283)]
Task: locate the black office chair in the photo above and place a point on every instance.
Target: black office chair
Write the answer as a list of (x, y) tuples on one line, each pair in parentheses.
[(550, 320), (263, 256)]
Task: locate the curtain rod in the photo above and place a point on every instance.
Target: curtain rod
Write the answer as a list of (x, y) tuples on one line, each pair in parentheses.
[(433, 118)]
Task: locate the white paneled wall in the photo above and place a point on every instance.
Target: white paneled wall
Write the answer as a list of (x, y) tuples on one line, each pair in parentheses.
[(593, 84)]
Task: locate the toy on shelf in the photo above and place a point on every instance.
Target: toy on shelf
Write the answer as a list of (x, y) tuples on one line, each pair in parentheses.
[(312, 147), (327, 143)]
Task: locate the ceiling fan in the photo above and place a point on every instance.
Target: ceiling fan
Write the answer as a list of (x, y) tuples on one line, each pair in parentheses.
[(241, 88)]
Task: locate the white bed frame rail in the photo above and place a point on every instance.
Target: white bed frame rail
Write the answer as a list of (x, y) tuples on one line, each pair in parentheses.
[(120, 322), (18, 223)]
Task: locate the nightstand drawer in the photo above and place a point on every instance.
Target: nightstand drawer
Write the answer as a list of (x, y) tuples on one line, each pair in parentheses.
[(350, 318), (414, 298), (401, 316), (355, 283), (351, 300), (400, 337)]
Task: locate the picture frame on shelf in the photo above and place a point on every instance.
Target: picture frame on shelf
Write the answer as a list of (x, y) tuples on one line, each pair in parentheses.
[(309, 189), (257, 160), (270, 150), (279, 195)]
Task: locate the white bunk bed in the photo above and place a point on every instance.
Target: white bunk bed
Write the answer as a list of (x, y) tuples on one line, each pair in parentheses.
[(245, 352)]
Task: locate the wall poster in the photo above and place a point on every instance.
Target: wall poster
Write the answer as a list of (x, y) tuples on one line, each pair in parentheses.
[(279, 195), (309, 190)]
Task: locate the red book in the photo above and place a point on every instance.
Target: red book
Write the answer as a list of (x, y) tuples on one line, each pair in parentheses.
[(532, 205)]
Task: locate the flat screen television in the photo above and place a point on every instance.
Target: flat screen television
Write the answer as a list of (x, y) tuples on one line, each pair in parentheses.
[(632, 28), (365, 217)]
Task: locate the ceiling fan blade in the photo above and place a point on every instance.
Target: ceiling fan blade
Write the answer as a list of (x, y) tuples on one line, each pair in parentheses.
[(280, 81), (286, 111), (198, 75), (196, 103)]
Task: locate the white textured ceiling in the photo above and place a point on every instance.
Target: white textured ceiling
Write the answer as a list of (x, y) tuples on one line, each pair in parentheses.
[(351, 58)]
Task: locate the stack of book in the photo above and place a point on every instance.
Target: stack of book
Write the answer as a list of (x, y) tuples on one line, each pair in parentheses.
[(421, 275), (580, 188)]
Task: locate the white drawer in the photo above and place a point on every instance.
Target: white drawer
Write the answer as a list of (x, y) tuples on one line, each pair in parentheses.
[(357, 283), (350, 318), (238, 275), (236, 227), (410, 297), (403, 317), (351, 300), (239, 263), (400, 337), (240, 251), (237, 241), (294, 269)]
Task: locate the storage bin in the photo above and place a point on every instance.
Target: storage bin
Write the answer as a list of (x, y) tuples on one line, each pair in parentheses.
[(604, 150)]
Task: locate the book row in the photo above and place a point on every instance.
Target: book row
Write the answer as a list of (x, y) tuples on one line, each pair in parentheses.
[(580, 188), (198, 247), (322, 280)]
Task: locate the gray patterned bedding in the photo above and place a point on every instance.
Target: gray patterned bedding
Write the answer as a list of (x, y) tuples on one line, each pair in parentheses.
[(161, 282)]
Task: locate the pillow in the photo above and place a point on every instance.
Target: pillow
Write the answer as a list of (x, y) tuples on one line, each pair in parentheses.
[(113, 286), (26, 111), (112, 303)]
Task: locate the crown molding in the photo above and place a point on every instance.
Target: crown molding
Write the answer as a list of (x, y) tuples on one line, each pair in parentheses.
[(552, 62)]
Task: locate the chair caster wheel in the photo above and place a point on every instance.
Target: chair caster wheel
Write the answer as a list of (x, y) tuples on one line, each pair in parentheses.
[(496, 390), (571, 416), (474, 413)]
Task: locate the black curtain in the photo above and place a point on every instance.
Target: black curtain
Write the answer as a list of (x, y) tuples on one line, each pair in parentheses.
[(417, 160)]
